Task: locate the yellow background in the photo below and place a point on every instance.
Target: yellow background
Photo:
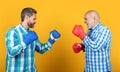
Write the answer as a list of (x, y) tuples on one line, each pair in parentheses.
[(61, 15)]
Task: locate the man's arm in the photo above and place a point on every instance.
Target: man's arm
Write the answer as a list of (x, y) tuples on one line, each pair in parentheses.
[(42, 48), (103, 36), (14, 46)]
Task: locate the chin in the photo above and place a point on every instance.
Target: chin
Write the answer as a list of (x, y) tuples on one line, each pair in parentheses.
[(89, 28), (31, 26)]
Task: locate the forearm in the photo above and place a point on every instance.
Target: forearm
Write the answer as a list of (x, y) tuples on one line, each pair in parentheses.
[(43, 47), (89, 43), (97, 42), (15, 50)]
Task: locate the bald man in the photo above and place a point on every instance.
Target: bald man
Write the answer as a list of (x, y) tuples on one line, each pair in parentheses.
[(97, 42)]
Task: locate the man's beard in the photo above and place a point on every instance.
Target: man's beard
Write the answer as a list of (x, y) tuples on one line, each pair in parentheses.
[(31, 25)]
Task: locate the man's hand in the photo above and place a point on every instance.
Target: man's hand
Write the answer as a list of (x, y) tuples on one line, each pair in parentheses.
[(77, 47), (54, 35), (79, 31), (31, 36)]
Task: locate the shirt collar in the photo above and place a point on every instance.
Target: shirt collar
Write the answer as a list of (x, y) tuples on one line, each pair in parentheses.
[(23, 28), (95, 26)]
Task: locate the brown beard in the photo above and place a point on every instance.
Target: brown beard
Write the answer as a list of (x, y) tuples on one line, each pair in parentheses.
[(31, 25)]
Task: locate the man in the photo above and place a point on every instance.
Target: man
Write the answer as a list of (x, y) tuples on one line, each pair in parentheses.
[(22, 43), (97, 43)]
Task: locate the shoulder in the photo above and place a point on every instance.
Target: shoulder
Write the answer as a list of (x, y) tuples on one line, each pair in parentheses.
[(11, 31), (104, 29)]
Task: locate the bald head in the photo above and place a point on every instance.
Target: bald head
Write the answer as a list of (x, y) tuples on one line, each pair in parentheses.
[(91, 18), (93, 14)]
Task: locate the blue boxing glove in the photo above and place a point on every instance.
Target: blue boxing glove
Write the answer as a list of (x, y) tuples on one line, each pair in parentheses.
[(31, 36), (54, 35)]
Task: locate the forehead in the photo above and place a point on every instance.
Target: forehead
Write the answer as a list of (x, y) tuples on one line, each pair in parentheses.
[(86, 15)]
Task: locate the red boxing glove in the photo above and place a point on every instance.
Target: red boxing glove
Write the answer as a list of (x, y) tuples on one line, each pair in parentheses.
[(79, 31), (77, 47)]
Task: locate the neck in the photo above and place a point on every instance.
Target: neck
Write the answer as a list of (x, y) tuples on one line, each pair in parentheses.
[(95, 23), (24, 24)]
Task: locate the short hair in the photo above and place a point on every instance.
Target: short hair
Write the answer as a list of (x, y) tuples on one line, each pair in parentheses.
[(27, 12)]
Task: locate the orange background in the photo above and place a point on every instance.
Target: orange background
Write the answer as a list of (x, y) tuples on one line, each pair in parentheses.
[(61, 15)]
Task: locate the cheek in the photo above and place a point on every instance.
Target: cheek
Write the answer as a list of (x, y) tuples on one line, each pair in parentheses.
[(31, 21), (90, 21)]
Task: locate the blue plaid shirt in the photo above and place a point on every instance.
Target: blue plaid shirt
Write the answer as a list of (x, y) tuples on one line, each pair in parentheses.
[(20, 57), (97, 49)]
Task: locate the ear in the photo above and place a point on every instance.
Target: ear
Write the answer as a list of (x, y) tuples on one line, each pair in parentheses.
[(26, 18), (94, 17)]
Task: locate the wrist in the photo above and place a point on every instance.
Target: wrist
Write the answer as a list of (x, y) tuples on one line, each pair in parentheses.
[(51, 40), (82, 36), (52, 37)]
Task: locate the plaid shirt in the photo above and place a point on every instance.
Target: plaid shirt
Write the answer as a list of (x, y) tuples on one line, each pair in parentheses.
[(97, 49), (20, 57)]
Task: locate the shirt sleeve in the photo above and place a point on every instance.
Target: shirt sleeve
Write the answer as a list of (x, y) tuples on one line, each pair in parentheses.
[(13, 44), (42, 47), (102, 37)]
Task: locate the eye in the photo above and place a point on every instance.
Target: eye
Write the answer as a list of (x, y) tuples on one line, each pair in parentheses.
[(85, 18)]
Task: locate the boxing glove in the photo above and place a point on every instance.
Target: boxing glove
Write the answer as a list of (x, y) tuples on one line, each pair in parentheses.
[(77, 47), (79, 31), (30, 37), (54, 35)]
